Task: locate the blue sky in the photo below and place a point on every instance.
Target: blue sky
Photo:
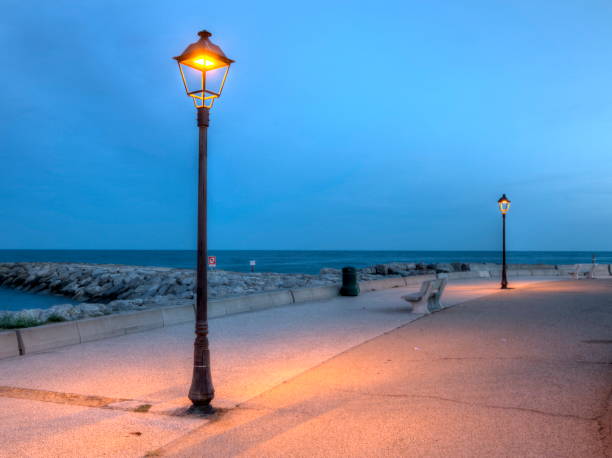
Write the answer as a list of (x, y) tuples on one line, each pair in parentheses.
[(343, 125)]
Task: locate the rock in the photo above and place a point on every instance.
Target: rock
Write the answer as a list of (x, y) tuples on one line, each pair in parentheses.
[(123, 305), (397, 268), (443, 268), (62, 312), (381, 269), (90, 310), (330, 271), (29, 314), (70, 288), (93, 290), (38, 288), (410, 273)]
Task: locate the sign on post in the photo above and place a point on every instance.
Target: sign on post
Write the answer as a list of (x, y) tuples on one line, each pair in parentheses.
[(212, 262)]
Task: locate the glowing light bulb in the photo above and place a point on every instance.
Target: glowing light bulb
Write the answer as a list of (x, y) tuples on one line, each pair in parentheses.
[(204, 62)]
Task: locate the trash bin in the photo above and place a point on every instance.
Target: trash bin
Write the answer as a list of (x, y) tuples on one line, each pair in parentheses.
[(350, 287)]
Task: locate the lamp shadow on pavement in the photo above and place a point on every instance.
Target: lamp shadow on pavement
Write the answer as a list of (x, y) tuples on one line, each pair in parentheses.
[(246, 425)]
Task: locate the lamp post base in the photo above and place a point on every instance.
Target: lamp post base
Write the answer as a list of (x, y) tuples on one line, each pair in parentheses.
[(201, 392), (201, 410)]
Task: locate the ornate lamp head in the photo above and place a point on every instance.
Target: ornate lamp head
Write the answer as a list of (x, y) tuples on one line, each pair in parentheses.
[(204, 67)]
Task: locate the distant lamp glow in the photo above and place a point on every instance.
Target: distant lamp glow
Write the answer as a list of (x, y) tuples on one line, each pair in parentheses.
[(504, 204), (204, 57)]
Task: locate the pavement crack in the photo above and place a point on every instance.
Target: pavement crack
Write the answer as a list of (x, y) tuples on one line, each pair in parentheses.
[(473, 404)]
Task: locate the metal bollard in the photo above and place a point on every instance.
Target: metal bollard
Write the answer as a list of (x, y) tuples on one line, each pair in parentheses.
[(350, 287)]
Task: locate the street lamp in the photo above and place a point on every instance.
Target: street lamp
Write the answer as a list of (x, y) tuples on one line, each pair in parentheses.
[(504, 206), (204, 68)]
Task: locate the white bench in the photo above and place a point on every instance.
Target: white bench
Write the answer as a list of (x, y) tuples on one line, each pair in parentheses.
[(585, 273), (427, 300)]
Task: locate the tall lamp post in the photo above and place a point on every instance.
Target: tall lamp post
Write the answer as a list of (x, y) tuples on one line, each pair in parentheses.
[(204, 68), (504, 206)]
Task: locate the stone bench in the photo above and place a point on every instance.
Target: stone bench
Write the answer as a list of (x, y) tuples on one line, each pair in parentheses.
[(427, 300)]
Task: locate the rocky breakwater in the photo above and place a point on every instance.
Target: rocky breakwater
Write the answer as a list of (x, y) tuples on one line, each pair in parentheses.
[(407, 269), (106, 289)]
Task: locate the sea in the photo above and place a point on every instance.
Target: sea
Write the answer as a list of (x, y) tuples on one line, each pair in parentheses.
[(283, 261)]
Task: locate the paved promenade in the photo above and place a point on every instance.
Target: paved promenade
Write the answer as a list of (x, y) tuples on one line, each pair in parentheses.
[(501, 373)]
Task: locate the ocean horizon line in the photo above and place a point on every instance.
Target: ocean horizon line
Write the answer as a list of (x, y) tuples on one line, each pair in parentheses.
[(308, 250)]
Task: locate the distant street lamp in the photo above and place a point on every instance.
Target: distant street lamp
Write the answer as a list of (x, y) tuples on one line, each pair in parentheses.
[(203, 66), (504, 206)]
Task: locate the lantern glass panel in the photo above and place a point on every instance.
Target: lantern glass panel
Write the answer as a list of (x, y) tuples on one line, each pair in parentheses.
[(204, 86)]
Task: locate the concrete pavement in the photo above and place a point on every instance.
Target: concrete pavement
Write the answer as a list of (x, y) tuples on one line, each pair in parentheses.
[(520, 373), (252, 354)]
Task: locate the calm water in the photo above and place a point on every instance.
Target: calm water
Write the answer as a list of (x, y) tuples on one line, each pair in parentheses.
[(11, 299), (267, 261)]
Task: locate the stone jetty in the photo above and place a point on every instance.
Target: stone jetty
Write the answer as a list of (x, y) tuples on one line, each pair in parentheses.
[(106, 289), (105, 283)]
